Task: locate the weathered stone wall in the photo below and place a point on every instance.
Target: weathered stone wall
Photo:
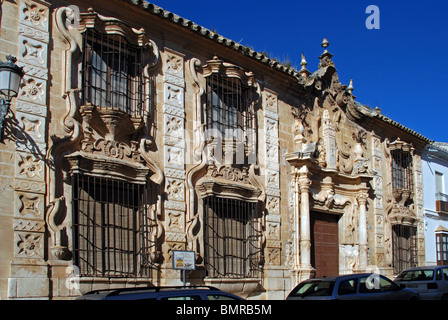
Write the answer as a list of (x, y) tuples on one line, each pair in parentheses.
[(316, 150)]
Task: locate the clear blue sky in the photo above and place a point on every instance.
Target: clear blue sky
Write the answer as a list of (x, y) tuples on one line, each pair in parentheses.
[(402, 67)]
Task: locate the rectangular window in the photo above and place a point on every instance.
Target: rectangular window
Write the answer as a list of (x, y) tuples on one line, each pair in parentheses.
[(112, 73), (401, 169), (232, 238), (404, 241), (226, 105), (439, 182), (442, 248), (113, 227), (229, 121)]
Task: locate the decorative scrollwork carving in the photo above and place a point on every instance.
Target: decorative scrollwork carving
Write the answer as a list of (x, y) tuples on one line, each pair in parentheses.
[(229, 173), (114, 149)]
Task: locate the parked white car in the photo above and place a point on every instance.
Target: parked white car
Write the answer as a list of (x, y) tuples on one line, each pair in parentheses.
[(431, 282)]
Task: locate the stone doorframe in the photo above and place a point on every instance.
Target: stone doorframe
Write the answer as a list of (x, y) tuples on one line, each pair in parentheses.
[(329, 191)]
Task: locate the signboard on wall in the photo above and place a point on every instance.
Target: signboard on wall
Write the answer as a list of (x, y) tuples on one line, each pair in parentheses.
[(184, 260)]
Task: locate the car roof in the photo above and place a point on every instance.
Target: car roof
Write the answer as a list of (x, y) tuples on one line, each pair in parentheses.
[(425, 268), (335, 277), (141, 290)]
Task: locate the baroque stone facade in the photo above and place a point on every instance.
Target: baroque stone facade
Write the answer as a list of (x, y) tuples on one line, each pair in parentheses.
[(191, 142)]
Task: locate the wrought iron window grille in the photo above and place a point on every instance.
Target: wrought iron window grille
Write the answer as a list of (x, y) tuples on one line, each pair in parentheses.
[(402, 170), (404, 241), (114, 227), (232, 238), (229, 120), (112, 73)]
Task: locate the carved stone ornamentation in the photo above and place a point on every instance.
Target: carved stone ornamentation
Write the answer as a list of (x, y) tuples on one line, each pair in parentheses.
[(33, 90), (30, 167), (329, 200), (29, 245), (229, 173), (30, 206), (113, 149), (174, 150), (35, 15), (273, 256)]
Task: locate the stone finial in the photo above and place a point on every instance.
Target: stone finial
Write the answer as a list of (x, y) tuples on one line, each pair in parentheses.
[(325, 57), (350, 86), (303, 71), (325, 44)]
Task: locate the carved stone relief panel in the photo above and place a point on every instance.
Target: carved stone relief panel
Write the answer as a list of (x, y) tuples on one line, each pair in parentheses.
[(175, 189), (29, 244), (30, 133), (174, 151), (33, 90), (29, 205), (33, 52), (174, 126), (274, 255), (32, 126), (34, 15), (272, 177), (174, 157), (29, 166), (30, 144), (175, 220)]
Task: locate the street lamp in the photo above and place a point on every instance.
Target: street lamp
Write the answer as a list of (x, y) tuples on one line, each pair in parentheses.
[(10, 77)]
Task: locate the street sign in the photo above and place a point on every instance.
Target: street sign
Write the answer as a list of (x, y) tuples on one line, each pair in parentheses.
[(184, 260)]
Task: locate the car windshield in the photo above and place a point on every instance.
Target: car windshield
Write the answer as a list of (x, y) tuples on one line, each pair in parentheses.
[(415, 275), (314, 288)]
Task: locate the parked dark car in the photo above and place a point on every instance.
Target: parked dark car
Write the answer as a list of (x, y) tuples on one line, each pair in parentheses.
[(160, 293), (431, 282), (366, 286)]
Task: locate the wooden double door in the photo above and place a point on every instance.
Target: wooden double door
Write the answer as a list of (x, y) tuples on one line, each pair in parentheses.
[(324, 243)]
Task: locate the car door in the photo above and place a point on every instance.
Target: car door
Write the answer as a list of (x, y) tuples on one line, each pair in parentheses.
[(376, 287), (392, 291), (347, 289), (444, 283)]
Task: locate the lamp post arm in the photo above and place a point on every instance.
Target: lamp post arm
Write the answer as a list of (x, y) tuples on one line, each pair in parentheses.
[(4, 107)]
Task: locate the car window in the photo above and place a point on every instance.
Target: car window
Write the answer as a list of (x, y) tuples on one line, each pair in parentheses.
[(387, 285), (439, 274), (366, 286), (183, 297), (219, 297), (376, 283), (415, 275), (347, 287), (314, 288), (445, 273)]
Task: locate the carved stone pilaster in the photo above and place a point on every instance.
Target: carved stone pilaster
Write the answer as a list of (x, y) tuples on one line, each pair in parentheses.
[(28, 267), (272, 177), (378, 193), (174, 150), (329, 138)]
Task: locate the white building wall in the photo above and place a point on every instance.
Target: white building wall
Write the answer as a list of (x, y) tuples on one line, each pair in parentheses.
[(433, 160)]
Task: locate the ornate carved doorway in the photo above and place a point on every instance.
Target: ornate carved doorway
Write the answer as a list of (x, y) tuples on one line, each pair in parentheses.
[(324, 243)]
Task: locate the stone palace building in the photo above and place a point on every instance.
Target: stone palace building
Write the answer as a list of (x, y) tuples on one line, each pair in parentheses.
[(137, 133)]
